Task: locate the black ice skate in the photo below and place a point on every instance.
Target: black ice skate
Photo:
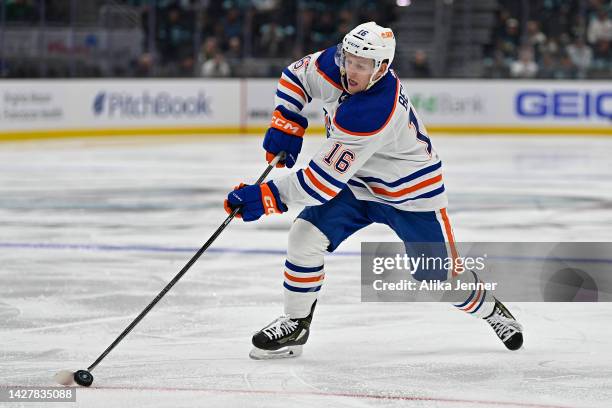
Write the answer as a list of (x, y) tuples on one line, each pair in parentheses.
[(283, 338), (506, 327)]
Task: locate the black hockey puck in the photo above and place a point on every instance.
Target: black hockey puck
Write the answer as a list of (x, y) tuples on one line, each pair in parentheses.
[(83, 377)]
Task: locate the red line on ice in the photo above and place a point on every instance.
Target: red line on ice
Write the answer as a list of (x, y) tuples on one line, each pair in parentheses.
[(331, 394)]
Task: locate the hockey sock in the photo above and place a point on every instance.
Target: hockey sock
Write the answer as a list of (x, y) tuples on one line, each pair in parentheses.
[(478, 302), (302, 285)]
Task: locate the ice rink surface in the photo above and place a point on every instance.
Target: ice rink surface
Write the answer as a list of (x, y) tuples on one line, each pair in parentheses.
[(91, 230)]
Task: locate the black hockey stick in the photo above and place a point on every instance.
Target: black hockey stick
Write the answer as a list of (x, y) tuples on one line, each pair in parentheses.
[(84, 377)]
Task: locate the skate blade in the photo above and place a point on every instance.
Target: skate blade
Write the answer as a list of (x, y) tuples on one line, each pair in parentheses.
[(284, 352)]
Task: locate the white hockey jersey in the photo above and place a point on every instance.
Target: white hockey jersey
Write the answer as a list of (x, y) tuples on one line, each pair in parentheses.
[(377, 146)]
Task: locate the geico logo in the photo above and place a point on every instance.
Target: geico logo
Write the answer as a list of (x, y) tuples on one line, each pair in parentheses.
[(564, 104), (280, 123)]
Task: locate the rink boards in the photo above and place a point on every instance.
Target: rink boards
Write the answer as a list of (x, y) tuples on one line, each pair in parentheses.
[(142, 107)]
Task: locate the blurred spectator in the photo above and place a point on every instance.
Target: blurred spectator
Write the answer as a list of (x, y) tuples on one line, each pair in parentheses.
[(346, 16), (186, 67), (234, 56), (592, 7), (499, 66), (566, 69), (20, 10), (600, 28), (579, 27), (272, 36), (209, 49), (535, 37), (550, 28), (173, 30), (499, 28), (558, 16), (581, 56), (216, 67), (306, 18), (564, 41), (234, 50), (420, 65), (551, 46), (231, 23), (324, 31), (510, 39), (548, 67), (175, 35), (525, 66), (602, 58), (143, 66)]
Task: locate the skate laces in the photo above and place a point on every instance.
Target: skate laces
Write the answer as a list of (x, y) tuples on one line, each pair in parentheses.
[(504, 327), (280, 327)]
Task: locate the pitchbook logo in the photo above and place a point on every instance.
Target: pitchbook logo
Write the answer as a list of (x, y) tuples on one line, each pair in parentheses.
[(146, 105)]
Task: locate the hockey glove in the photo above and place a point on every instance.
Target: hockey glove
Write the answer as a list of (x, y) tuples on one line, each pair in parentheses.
[(254, 201), (285, 134)]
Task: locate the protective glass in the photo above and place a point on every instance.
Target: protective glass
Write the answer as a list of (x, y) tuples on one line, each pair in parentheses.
[(353, 63)]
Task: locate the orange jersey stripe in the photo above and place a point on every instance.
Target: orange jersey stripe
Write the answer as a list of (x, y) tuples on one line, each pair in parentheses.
[(293, 87), (318, 184), (399, 193), (451, 238), (304, 280)]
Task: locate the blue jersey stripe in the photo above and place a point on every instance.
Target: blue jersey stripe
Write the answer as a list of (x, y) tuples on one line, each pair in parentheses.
[(303, 290), (403, 180), (309, 190), (296, 268), (289, 99), (297, 81), (326, 176), (429, 194)]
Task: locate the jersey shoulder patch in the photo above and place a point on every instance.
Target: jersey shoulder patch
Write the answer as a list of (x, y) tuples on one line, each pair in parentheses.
[(368, 112), (327, 68)]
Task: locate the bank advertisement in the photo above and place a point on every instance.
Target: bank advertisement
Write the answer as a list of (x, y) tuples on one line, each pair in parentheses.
[(476, 103)]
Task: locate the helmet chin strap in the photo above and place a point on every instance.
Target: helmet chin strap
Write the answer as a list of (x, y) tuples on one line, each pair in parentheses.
[(344, 79), (372, 80)]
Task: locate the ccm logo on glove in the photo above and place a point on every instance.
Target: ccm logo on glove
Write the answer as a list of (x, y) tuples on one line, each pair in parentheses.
[(285, 135), (254, 201), (268, 200), (279, 122)]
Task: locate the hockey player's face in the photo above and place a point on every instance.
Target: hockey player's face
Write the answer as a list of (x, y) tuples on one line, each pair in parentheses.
[(359, 70)]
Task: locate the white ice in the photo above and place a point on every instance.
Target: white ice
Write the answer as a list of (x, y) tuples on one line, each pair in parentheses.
[(92, 229)]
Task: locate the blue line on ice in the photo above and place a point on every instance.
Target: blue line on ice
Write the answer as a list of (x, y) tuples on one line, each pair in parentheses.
[(150, 248), (253, 251)]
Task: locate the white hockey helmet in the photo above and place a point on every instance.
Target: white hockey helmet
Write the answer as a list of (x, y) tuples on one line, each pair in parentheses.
[(368, 40)]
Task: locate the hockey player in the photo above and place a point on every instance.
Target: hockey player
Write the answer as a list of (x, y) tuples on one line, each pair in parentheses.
[(378, 165)]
